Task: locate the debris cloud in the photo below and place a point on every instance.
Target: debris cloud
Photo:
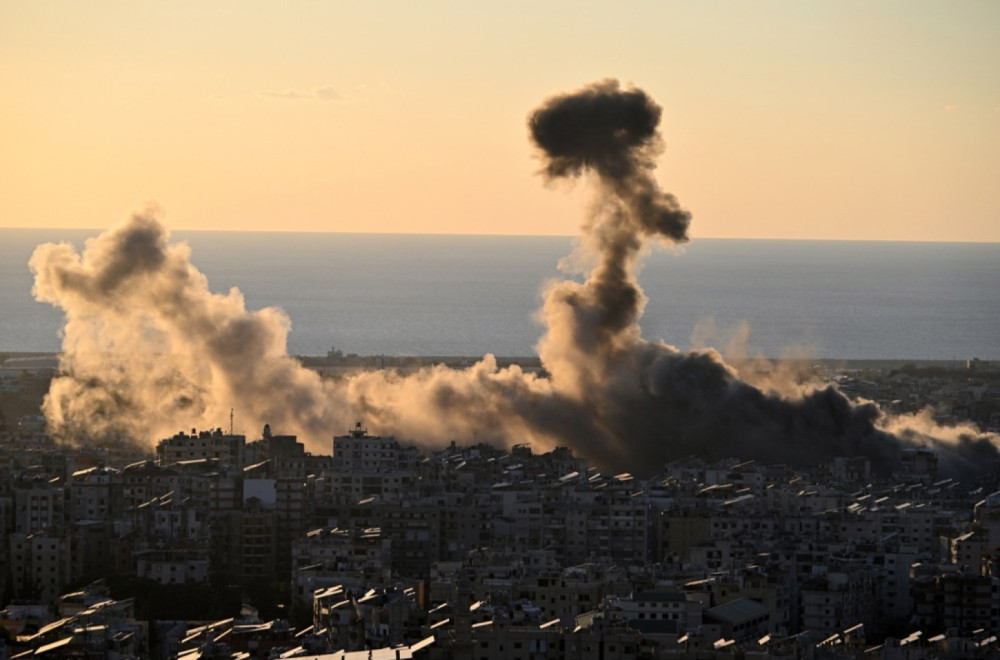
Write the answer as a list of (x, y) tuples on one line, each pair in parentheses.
[(149, 349)]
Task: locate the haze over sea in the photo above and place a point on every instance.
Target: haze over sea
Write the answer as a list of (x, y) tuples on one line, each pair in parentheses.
[(412, 294)]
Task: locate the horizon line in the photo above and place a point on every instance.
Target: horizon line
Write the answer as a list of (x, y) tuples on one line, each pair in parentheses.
[(693, 239)]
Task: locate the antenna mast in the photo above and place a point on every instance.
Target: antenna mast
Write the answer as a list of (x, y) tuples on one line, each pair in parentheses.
[(230, 421)]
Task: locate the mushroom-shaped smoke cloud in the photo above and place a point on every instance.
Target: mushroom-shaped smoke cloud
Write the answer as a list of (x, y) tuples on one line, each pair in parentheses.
[(149, 349)]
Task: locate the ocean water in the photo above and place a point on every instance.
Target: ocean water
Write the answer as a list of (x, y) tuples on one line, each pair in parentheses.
[(471, 295)]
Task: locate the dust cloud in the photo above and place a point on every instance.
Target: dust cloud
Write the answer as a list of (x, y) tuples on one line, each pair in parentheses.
[(148, 349)]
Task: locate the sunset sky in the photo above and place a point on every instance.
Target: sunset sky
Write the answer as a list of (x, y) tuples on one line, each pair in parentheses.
[(782, 119)]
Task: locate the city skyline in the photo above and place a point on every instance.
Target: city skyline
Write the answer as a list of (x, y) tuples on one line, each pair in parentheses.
[(781, 120)]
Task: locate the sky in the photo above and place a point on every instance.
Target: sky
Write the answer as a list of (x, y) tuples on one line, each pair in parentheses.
[(781, 119)]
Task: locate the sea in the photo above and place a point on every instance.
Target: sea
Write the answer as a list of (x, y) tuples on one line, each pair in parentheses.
[(463, 295)]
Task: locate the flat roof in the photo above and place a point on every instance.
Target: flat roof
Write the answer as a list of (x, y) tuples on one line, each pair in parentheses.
[(739, 610)]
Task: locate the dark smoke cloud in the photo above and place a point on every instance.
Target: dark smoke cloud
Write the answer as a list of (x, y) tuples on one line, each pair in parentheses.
[(148, 349), (612, 132)]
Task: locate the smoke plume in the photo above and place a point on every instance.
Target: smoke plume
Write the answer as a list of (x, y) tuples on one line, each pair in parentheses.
[(149, 349)]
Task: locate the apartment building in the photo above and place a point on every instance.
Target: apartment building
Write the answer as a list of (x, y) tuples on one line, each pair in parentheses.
[(224, 447), (39, 504)]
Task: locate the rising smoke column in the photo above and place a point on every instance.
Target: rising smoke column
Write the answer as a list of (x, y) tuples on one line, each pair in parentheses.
[(646, 401), (149, 349)]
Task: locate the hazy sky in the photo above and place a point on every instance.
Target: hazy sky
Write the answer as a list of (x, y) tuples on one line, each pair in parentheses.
[(783, 119)]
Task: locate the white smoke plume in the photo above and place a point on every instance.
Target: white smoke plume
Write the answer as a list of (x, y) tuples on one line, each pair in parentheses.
[(148, 349)]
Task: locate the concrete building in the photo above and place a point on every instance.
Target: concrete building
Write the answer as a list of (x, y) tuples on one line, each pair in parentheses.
[(970, 551), (949, 597), (142, 481), (40, 564), (39, 504), (176, 565), (366, 465), (223, 447), (355, 559), (95, 494), (838, 599), (662, 605), (741, 619)]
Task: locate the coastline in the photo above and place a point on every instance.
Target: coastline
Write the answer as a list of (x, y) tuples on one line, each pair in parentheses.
[(534, 363)]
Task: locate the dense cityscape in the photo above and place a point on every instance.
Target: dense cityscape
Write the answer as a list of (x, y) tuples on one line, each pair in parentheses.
[(181, 478), (213, 544)]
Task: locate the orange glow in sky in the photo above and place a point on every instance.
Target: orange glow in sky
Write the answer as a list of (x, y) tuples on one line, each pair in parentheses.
[(782, 118)]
